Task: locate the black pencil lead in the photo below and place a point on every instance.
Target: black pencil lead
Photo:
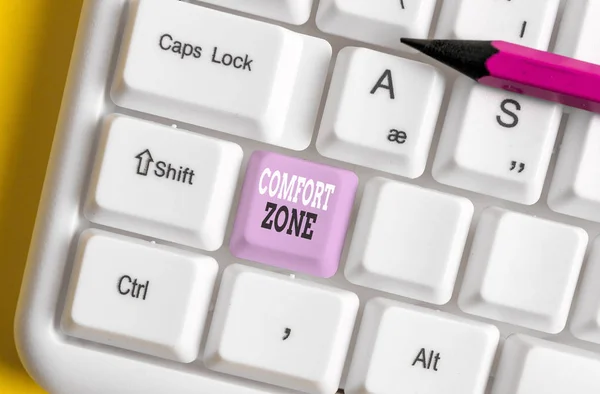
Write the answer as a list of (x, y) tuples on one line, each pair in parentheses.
[(467, 57)]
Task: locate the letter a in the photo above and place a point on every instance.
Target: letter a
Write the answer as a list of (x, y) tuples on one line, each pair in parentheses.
[(422, 358), (386, 76)]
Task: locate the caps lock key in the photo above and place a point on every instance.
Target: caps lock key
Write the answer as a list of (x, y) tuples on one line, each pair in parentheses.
[(196, 65)]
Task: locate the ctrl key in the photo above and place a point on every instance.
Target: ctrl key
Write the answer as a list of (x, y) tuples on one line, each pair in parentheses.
[(139, 296)]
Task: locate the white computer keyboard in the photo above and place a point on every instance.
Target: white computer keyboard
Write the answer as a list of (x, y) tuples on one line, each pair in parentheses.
[(275, 196)]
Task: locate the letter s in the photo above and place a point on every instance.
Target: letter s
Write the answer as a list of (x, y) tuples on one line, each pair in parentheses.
[(160, 43), (515, 118)]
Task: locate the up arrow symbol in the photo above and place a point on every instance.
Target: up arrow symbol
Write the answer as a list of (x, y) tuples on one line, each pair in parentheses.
[(144, 160)]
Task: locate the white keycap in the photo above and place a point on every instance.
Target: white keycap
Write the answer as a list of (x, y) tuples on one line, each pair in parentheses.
[(408, 349), (139, 296), (496, 143), (523, 270), (585, 323), (579, 31), (534, 366), (280, 330), (528, 23), (382, 22), (295, 12), (164, 183), (381, 112), (575, 188), (221, 71), (397, 225)]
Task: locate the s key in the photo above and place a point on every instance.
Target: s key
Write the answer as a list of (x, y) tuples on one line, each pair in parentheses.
[(496, 143), (220, 71)]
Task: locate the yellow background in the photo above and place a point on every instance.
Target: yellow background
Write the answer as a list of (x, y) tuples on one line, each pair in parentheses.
[(36, 39)]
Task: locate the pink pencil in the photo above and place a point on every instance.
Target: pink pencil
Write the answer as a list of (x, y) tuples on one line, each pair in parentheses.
[(519, 69)]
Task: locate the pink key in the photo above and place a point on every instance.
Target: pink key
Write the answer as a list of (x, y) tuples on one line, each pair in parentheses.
[(293, 214)]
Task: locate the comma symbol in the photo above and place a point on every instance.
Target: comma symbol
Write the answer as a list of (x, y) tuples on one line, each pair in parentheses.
[(287, 333)]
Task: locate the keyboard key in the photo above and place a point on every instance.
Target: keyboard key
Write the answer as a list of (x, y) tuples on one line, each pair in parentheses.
[(523, 270), (280, 330), (162, 182), (528, 23), (221, 71), (391, 247), (397, 100), (293, 214), (585, 323), (534, 366), (575, 188), (381, 24), (579, 31), (408, 349), (139, 296), (295, 12), (496, 143)]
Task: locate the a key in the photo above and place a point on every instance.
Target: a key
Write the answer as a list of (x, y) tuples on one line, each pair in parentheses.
[(523, 270), (575, 188), (280, 330), (295, 12), (293, 214), (579, 31), (585, 323), (534, 366), (496, 143), (220, 71), (408, 349), (381, 112), (381, 24), (139, 296), (164, 183), (528, 23), (397, 226)]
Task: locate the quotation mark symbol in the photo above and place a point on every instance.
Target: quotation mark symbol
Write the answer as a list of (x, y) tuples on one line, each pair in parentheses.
[(513, 166)]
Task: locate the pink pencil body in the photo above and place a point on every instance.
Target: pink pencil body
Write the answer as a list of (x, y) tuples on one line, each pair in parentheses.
[(544, 75)]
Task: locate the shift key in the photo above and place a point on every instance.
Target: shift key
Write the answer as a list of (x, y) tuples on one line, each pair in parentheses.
[(293, 214)]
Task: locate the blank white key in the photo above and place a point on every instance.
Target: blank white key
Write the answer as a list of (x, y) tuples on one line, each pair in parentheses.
[(280, 330), (534, 366), (164, 183), (523, 270), (528, 23), (396, 227), (496, 143), (139, 296), (381, 112), (585, 323), (575, 188), (580, 31), (295, 12), (408, 349), (221, 71), (381, 23)]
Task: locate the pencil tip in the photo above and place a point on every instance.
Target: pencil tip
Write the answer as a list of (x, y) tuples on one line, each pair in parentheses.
[(415, 43), (468, 57)]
